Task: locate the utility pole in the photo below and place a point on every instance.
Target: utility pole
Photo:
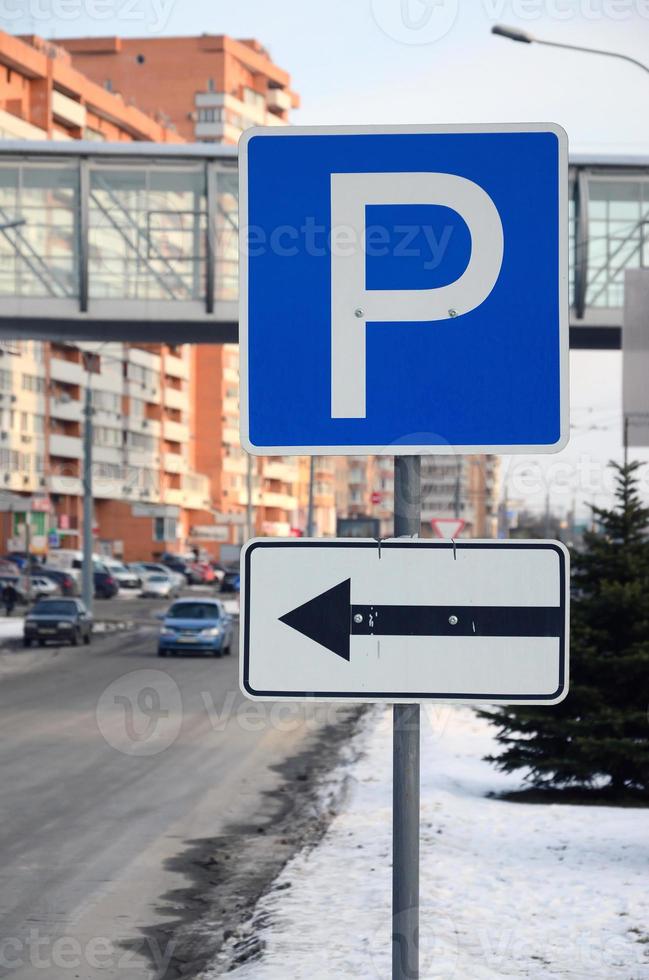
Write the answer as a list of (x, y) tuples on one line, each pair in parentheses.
[(87, 581), (310, 523), (456, 494), (249, 525), (546, 522), (405, 765)]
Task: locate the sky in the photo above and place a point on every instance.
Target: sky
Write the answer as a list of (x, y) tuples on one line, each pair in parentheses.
[(430, 61)]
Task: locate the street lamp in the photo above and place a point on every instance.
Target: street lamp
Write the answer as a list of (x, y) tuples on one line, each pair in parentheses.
[(514, 34)]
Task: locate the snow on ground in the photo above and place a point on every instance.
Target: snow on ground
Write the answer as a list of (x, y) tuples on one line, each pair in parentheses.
[(507, 889), (11, 628)]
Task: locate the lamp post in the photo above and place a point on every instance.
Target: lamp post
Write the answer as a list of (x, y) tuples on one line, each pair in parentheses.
[(522, 37)]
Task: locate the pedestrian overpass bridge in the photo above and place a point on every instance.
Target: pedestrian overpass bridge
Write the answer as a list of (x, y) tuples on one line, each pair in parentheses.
[(139, 241)]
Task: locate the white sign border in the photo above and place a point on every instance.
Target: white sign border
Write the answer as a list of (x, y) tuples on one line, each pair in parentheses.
[(398, 697), (394, 448)]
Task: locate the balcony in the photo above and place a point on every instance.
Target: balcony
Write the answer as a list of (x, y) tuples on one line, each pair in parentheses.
[(175, 399), (68, 409), (63, 484), (68, 110), (235, 464), (216, 131), (195, 491), (278, 100), (286, 472), (174, 463), (283, 501), (175, 431), (175, 367), (67, 371), (277, 529), (66, 446)]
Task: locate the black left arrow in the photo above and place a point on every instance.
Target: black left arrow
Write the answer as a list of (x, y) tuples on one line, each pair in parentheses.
[(330, 619)]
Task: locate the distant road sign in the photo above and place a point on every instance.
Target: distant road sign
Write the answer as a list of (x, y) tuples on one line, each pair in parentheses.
[(448, 527), (473, 621), (404, 289), (210, 532)]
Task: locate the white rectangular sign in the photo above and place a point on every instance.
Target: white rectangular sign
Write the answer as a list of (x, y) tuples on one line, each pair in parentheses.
[(405, 620)]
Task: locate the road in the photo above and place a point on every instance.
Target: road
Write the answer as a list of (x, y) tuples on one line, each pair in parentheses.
[(113, 761)]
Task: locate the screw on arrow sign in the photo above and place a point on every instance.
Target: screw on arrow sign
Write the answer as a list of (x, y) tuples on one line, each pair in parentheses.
[(331, 619)]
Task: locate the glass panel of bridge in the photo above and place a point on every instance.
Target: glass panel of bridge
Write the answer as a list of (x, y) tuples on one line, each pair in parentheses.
[(39, 230), (618, 211), (227, 236), (147, 232)]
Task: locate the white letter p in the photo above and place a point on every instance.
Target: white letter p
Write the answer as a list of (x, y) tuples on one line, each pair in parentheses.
[(352, 305)]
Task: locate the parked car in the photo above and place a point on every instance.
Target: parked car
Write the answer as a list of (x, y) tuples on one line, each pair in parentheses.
[(106, 585), (177, 565), (144, 568), (67, 583), (10, 568), (63, 620), (42, 585), (155, 585), (126, 577), (202, 572), (219, 572), (230, 581), (196, 624), (69, 560)]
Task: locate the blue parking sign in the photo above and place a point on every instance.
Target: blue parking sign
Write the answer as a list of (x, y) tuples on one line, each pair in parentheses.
[(404, 289)]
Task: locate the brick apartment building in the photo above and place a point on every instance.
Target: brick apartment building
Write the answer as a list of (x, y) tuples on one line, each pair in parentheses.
[(211, 88), (173, 446)]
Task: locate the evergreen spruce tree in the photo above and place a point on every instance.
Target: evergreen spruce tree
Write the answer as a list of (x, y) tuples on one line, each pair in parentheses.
[(599, 735)]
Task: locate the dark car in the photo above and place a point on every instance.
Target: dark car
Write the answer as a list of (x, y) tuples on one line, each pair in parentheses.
[(230, 581), (64, 580), (106, 585), (62, 620)]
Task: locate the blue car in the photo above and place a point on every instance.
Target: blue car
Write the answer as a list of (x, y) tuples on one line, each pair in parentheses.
[(197, 626)]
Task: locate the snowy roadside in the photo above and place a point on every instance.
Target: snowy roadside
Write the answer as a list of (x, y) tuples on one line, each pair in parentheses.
[(507, 889)]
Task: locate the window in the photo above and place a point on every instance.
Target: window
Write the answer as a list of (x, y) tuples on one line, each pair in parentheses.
[(164, 528), (145, 376), (103, 436), (5, 380), (206, 114), (140, 440), (106, 401), (32, 382), (136, 408), (250, 97)]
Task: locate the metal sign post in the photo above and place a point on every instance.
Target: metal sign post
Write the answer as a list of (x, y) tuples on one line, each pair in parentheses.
[(405, 764)]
